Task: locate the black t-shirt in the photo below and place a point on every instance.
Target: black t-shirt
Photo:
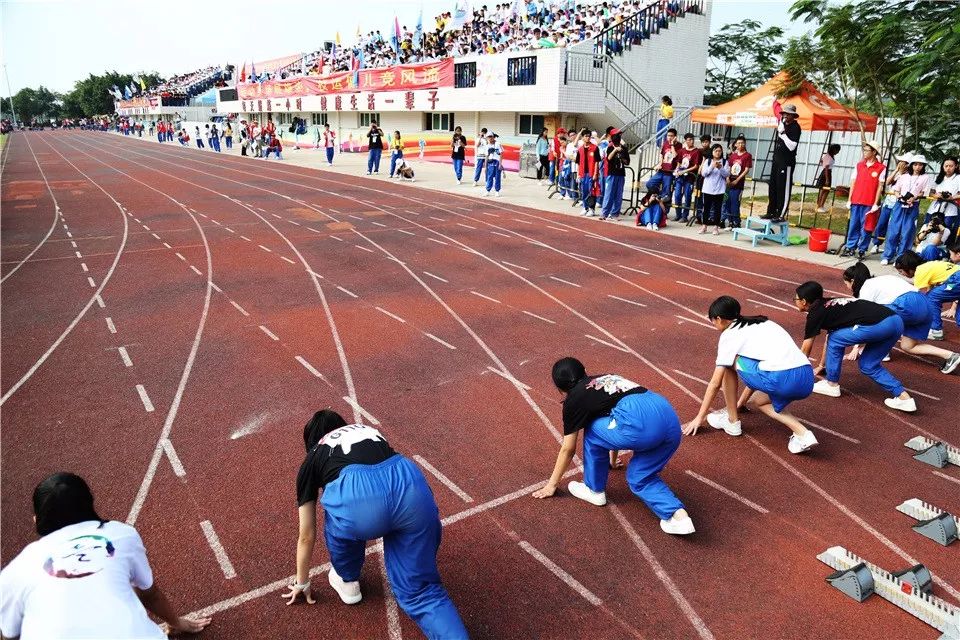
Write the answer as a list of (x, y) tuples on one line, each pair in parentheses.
[(840, 313), (458, 147), (781, 154), (352, 444), (594, 397), (616, 161), (375, 139)]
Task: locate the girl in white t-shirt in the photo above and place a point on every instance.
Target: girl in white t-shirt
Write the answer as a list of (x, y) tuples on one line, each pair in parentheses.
[(85, 577), (774, 371), (946, 194)]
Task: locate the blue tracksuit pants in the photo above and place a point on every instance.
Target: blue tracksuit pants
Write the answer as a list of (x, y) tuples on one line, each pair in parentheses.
[(478, 169), (877, 340), (901, 230), (395, 157), (664, 180), (915, 311), (493, 175), (948, 291), (858, 239), (612, 196), (373, 160), (646, 424), (392, 500), (682, 196)]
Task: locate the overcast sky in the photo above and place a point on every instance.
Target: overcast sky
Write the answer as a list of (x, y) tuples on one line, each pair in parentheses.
[(57, 43)]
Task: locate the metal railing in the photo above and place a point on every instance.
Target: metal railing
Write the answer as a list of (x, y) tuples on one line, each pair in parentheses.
[(647, 153), (633, 30)]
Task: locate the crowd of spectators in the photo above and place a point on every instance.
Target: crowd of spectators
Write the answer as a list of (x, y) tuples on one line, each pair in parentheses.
[(187, 85)]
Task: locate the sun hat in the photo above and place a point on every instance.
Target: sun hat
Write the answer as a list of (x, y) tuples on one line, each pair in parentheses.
[(790, 109), (873, 144), (918, 157)]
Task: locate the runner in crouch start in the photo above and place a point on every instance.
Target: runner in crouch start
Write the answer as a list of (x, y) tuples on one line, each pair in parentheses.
[(615, 413)]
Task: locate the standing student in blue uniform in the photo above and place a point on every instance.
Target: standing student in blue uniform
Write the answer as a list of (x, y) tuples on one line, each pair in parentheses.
[(615, 413), (479, 146), (771, 366), (493, 156), (849, 322), (369, 492)]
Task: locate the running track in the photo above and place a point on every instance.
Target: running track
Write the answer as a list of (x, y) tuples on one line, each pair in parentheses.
[(171, 319)]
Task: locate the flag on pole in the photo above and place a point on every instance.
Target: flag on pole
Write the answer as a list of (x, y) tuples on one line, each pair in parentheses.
[(243, 73), (395, 38), (418, 34), (461, 14), (253, 72), (133, 88), (126, 93), (143, 85)]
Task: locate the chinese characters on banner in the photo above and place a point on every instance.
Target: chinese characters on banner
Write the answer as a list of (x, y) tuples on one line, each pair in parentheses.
[(429, 75)]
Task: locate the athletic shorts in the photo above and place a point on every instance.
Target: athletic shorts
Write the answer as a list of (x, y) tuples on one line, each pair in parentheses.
[(783, 387)]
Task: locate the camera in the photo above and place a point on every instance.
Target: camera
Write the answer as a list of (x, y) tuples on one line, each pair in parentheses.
[(946, 195), (906, 198)]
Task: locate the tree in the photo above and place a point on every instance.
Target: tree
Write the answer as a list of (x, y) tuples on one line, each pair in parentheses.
[(38, 103), (895, 58), (742, 57)]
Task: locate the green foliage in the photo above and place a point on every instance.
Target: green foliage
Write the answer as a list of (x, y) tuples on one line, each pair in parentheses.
[(742, 56), (894, 58), (89, 97), (38, 103)]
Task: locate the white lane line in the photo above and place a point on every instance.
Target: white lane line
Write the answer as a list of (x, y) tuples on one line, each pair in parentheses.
[(362, 248), (267, 249), (112, 328), (276, 216), (572, 284), (480, 295), (196, 271), (533, 315), (287, 259), (348, 292), (394, 632), (350, 215), (261, 210), (314, 273), (69, 235), (242, 237), (218, 551), (216, 222), (578, 255), (662, 575), (309, 367), (702, 324), (92, 283), (180, 255), (229, 229), (487, 213), (522, 221), (239, 308), (634, 302), (842, 436), (83, 265), (199, 214), (447, 482), (946, 477), (137, 220), (690, 377), (609, 344), (498, 233), (537, 243), (337, 238), (767, 304), (460, 224), (379, 224), (144, 398), (695, 286), (392, 315), (73, 244), (444, 343), (312, 229), (553, 568), (727, 492), (79, 255), (549, 226), (100, 302), (515, 266), (174, 459), (427, 273), (409, 233), (463, 208), (363, 412), (413, 213), (216, 288), (125, 356), (65, 224), (623, 266), (921, 393), (436, 218), (146, 227), (269, 333), (437, 241), (155, 236), (294, 223), (167, 245), (508, 378)]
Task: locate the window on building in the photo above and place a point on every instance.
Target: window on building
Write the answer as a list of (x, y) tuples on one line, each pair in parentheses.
[(529, 125), (320, 119), (522, 71), (367, 118), (464, 75), (438, 122)]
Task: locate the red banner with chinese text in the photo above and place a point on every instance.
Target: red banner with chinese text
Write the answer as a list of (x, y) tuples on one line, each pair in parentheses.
[(407, 77), (134, 103)]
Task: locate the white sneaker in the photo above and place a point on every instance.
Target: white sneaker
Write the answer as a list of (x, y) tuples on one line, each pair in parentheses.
[(678, 526), (821, 210), (496, 195), (349, 592), (824, 388), (476, 184), (876, 248), (460, 181), (935, 334), (486, 194), (585, 493), (951, 364), (799, 444), (886, 358), (585, 213), (909, 405), (884, 262), (721, 420), (592, 214)]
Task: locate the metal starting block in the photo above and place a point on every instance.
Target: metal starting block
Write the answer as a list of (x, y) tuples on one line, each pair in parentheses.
[(918, 577), (905, 592), (933, 452), (856, 582), (938, 525)]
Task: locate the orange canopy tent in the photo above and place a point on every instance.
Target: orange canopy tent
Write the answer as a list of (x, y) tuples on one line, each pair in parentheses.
[(818, 112)]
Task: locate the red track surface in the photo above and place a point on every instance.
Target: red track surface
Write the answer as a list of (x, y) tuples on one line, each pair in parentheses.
[(233, 413)]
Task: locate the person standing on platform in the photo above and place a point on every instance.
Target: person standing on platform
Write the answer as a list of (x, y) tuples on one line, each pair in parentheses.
[(614, 414), (866, 191), (479, 147), (784, 160), (666, 115), (370, 491)]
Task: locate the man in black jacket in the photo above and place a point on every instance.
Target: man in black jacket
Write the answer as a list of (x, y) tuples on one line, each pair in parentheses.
[(784, 160)]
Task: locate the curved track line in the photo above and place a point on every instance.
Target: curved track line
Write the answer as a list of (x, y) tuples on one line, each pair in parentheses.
[(158, 450), (53, 225), (93, 298), (341, 353)]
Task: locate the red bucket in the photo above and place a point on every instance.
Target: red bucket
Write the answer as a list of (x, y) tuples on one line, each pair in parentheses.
[(819, 240)]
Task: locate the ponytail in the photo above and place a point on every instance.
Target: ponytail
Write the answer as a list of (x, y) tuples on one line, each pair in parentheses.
[(728, 308), (857, 275)]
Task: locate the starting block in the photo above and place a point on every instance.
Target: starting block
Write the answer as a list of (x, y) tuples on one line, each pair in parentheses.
[(938, 525), (933, 452), (856, 582), (918, 577), (906, 592)]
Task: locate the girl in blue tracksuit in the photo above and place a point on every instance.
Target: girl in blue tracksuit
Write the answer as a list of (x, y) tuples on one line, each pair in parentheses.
[(907, 302), (615, 413), (369, 492), (493, 156)]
